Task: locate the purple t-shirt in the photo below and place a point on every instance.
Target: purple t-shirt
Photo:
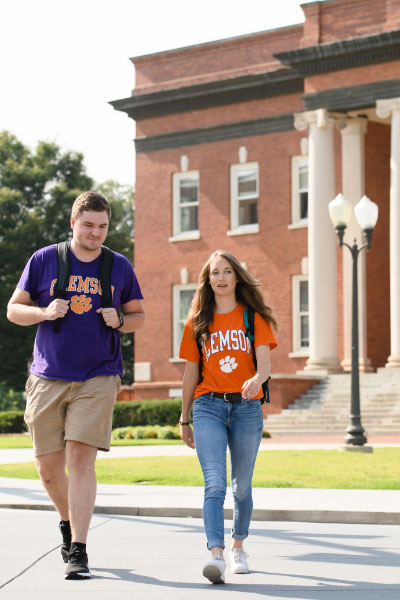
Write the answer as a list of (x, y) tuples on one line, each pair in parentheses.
[(82, 347)]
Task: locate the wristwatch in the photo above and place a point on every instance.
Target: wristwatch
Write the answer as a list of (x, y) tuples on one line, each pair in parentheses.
[(121, 321)]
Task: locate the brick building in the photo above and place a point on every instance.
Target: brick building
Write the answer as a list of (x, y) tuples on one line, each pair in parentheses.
[(241, 144)]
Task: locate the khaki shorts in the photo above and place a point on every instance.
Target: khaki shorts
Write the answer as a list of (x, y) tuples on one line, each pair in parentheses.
[(58, 411)]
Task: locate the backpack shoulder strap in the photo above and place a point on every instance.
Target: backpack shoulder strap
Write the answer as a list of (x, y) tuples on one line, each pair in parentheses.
[(105, 268), (64, 269), (200, 349)]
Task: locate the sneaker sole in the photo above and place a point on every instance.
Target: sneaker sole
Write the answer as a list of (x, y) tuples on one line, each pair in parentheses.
[(239, 571), (213, 574), (78, 575)]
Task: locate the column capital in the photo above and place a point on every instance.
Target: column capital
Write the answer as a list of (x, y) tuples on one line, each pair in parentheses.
[(357, 125), (320, 117), (384, 108)]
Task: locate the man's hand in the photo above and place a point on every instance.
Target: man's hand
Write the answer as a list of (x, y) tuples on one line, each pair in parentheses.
[(57, 309), (110, 316)]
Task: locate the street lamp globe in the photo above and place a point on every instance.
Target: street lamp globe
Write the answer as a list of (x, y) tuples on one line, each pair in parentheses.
[(366, 213), (340, 211)]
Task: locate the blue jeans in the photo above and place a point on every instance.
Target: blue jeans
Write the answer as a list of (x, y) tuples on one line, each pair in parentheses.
[(217, 425)]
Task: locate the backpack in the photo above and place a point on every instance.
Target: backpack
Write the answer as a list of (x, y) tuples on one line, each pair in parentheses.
[(64, 272), (248, 319)]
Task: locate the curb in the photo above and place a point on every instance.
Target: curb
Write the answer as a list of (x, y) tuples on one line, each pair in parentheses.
[(308, 516)]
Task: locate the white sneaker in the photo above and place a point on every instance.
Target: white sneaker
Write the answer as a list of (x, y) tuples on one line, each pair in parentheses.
[(238, 561), (214, 569)]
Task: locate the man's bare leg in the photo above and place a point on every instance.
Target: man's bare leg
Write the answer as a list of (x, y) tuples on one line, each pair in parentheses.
[(82, 487), (51, 469)]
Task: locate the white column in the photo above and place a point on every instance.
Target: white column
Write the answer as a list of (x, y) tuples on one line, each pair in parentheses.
[(322, 287), (385, 108), (353, 190)]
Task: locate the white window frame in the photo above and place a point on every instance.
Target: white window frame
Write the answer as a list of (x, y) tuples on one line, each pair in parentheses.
[(177, 234), (237, 229), (297, 162), (176, 339), (298, 350)]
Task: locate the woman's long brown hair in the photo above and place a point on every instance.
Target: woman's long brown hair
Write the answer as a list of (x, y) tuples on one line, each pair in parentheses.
[(248, 292)]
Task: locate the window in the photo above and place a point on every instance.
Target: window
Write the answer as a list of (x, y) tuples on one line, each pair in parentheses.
[(182, 297), (244, 199), (185, 200), (299, 191), (300, 315)]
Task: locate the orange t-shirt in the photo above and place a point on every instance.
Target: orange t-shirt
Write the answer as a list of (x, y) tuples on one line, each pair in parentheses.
[(227, 354)]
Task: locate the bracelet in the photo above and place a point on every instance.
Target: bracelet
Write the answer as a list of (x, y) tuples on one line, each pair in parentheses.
[(184, 423)]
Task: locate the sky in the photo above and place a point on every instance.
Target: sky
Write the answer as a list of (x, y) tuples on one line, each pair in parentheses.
[(62, 61)]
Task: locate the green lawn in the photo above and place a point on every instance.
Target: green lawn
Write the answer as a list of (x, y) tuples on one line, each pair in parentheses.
[(274, 468), (24, 441)]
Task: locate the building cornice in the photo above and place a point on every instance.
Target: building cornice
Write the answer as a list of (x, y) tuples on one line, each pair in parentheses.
[(343, 54), (353, 97), (218, 133), (215, 93)]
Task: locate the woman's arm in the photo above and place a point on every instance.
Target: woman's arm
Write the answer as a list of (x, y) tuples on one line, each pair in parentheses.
[(251, 387), (190, 380)]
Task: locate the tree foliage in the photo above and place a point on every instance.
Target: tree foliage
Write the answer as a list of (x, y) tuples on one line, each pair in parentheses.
[(37, 190)]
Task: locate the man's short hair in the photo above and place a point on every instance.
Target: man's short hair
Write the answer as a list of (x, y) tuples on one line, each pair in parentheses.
[(90, 201)]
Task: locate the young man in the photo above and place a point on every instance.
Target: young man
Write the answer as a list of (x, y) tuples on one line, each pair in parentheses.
[(76, 369)]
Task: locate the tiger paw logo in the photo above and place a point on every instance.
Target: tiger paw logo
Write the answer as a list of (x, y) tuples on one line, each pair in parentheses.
[(80, 304), (228, 364)]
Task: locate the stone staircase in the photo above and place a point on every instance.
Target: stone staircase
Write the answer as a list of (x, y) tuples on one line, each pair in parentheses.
[(325, 408)]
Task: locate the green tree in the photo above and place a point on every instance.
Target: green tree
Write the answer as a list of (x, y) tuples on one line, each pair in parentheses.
[(37, 190)]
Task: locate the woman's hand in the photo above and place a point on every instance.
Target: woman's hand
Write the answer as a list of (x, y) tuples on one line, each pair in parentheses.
[(251, 387), (187, 436)]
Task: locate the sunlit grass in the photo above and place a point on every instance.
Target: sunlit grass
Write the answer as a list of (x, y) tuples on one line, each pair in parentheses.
[(274, 468)]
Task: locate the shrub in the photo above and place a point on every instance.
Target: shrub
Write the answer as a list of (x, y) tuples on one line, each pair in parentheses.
[(266, 434), (10, 400), (12, 422), (148, 432), (147, 412)]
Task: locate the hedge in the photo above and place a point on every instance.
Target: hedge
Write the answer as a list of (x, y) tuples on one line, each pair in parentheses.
[(12, 422), (147, 412)]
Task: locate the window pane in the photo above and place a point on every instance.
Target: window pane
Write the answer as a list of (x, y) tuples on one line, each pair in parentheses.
[(188, 190), (303, 177), (304, 332), (185, 297), (303, 296), (247, 183), (303, 205), (248, 212), (189, 221)]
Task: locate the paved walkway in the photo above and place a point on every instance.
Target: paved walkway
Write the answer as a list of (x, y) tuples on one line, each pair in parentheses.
[(154, 558)]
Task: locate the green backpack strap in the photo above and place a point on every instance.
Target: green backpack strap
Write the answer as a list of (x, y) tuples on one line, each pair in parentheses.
[(248, 319)]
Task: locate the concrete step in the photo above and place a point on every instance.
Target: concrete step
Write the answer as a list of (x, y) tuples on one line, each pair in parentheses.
[(326, 406)]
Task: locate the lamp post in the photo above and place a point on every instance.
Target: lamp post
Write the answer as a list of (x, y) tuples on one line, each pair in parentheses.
[(367, 215)]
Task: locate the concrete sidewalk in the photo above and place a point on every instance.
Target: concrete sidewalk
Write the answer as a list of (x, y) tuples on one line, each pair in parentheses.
[(154, 558)]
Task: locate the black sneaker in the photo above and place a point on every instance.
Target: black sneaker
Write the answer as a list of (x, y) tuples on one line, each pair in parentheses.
[(65, 529), (77, 567)]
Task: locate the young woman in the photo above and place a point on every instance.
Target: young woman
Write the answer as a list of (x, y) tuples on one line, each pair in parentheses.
[(227, 410)]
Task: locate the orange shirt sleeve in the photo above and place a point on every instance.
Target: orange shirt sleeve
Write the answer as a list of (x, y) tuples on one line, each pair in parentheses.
[(263, 334), (188, 349)]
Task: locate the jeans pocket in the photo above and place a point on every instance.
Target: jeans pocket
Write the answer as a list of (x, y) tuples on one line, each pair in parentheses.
[(252, 404), (204, 399)]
